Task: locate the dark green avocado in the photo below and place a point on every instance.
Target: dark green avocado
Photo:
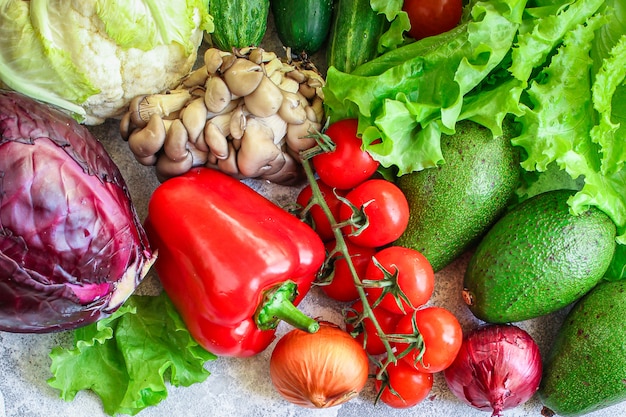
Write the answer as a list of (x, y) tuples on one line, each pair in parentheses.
[(585, 369), (454, 204), (537, 259)]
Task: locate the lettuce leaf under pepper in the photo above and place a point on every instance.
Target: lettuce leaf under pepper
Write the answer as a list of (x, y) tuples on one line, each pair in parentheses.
[(126, 358), (557, 67)]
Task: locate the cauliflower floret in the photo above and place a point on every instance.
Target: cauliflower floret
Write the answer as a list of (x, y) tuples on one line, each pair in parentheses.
[(96, 55), (122, 74)]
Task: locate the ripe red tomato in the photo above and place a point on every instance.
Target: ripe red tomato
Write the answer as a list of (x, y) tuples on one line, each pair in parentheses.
[(367, 331), (410, 271), (385, 209), (442, 336), (342, 287), (316, 215), (432, 17), (348, 165), (410, 385)]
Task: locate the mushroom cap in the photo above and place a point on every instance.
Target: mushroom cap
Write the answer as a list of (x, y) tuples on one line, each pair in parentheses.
[(148, 140), (257, 149), (243, 77), (217, 94), (194, 117), (166, 168), (176, 141), (265, 100), (292, 109), (229, 164), (216, 140), (291, 172), (213, 60), (299, 137)]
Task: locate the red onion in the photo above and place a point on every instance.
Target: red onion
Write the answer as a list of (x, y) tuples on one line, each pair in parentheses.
[(498, 367)]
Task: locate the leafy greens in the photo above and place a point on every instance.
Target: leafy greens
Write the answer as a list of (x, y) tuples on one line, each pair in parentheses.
[(126, 358), (558, 67)]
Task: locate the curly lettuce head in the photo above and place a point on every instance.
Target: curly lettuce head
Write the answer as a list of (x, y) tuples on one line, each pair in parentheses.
[(90, 57)]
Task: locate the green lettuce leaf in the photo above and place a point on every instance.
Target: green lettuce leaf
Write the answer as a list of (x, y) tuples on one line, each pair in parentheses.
[(546, 31), (407, 97), (127, 358), (399, 24), (575, 113)]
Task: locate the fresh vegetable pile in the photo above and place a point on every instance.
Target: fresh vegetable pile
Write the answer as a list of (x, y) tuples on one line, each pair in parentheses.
[(488, 128)]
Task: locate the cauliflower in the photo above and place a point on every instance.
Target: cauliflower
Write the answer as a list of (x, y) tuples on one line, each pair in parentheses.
[(91, 57)]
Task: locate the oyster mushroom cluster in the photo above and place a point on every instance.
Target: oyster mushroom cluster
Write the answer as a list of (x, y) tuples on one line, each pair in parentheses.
[(247, 113)]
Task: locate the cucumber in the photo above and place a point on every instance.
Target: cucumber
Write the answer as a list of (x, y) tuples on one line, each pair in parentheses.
[(302, 25), (238, 23), (354, 34)]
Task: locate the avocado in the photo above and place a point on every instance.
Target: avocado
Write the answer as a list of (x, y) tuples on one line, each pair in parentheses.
[(537, 259), (453, 204), (585, 368)]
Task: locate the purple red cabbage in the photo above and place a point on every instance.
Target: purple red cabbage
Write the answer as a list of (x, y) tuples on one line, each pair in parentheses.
[(72, 248)]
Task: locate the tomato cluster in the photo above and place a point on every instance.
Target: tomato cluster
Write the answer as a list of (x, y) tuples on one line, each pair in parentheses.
[(391, 316)]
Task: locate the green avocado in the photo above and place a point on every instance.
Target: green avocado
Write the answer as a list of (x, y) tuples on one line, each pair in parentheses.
[(585, 369), (454, 204), (537, 259)]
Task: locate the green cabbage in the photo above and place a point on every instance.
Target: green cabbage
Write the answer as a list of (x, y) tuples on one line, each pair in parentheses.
[(65, 52)]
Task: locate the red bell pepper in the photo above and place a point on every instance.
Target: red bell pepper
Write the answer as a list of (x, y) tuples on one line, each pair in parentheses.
[(233, 262)]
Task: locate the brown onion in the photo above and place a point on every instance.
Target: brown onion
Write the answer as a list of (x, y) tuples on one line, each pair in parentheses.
[(498, 368), (319, 370)]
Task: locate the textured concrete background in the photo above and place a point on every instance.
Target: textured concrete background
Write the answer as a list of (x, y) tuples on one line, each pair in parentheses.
[(236, 387)]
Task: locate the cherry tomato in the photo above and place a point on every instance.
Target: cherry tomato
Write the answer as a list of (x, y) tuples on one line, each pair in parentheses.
[(342, 287), (410, 273), (348, 165), (432, 17), (367, 331), (408, 386), (383, 211), (319, 221), (442, 336)]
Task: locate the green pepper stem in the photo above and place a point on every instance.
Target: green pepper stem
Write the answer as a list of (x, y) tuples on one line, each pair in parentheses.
[(278, 305)]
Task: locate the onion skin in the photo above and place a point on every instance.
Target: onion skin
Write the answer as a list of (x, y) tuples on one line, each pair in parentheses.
[(319, 370), (498, 367)]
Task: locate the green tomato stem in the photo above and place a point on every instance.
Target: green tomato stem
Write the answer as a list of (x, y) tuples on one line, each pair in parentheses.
[(341, 246)]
